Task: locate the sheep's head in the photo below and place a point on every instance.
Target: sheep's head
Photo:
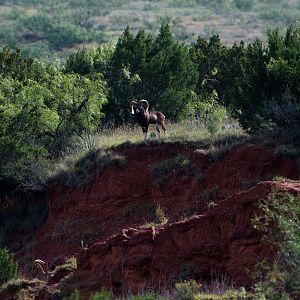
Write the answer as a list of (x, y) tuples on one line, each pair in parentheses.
[(138, 107)]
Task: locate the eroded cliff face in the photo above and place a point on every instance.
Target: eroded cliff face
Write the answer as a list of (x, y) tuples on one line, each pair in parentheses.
[(221, 241), (209, 231)]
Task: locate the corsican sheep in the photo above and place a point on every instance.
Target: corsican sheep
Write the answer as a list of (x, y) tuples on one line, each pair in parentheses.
[(145, 118)]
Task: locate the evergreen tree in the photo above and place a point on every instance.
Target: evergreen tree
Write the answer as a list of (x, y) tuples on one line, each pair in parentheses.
[(159, 70), (120, 80)]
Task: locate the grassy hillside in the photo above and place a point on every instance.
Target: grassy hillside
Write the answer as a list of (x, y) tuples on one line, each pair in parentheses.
[(44, 28)]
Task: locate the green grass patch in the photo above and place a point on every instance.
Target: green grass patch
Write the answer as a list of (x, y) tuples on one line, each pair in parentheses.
[(16, 286)]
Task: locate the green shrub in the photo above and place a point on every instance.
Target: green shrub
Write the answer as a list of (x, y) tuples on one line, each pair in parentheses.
[(227, 295), (209, 112), (160, 215), (42, 111), (159, 218), (280, 226), (80, 62), (8, 268), (187, 290), (69, 265)]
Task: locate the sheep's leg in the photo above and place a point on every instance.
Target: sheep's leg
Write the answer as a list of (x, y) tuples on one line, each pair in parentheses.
[(163, 127), (145, 130), (157, 128)]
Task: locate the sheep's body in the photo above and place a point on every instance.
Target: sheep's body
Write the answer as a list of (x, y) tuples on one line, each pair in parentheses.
[(145, 118)]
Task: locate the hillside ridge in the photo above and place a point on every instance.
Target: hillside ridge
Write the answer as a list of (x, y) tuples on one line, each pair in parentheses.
[(110, 225)]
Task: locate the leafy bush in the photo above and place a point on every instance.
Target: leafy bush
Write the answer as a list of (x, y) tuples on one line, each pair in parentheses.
[(280, 225), (41, 111), (8, 268), (160, 215), (69, 265), (228, 295), (209, 112)]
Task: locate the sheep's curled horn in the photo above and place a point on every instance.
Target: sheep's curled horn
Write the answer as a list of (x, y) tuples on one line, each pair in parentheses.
[(142, 102), (132, 103)]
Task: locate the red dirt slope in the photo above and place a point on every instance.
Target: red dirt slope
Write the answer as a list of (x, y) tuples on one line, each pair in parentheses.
[(126, 198), (220, 239)]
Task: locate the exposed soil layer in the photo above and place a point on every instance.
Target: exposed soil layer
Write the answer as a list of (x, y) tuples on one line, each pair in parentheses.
[(210, 211), (220, 242)]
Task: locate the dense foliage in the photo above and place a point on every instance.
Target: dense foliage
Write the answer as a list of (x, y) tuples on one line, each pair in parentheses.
[(44, 106), (41, 109), (8, 268), (258, 83)]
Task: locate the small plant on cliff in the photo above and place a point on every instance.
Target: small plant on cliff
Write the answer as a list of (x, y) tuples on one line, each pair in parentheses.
[(187, 290), (160, 218), (280, 224), (69, 265), (160, 215), (8, 268)]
